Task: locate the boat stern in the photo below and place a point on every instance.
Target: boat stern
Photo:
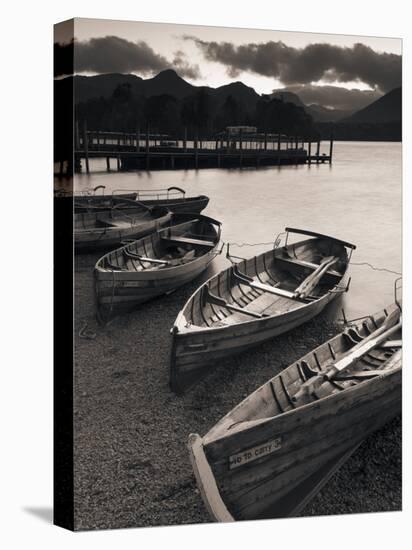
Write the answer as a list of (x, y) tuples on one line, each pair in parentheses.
[(206, 481)]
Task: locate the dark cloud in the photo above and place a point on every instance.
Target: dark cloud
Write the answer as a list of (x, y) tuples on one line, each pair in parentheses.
[(112, 54), (335, 97), (184, 68), (305, 65)]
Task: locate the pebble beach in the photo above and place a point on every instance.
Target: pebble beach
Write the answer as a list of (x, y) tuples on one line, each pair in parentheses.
[(132, 467)]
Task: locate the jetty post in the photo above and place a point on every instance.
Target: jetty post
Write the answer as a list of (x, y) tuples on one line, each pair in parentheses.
[(185, 140), (76, 136), (331, 148), (310, 151), (240, 148), (196, 152), (138, 140), (317, 152), (147, 148), (86, 147)]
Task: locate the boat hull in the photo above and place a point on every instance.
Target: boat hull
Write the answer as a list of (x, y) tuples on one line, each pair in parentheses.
[(89, 240), (272, 453), (194, 353), (176, 205), (119, 293), (155, 265), (253, 301), (190, 204), (310, 439)]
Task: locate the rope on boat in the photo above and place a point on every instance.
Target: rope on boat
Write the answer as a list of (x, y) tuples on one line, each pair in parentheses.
[(277, 241), (376, 268)]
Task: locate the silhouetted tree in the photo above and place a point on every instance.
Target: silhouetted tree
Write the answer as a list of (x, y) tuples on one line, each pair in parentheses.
[(196, 112), (162, 112)]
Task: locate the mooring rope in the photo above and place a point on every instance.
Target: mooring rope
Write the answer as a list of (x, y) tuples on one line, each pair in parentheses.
[(376, 268), (85, 332), (275, 241)]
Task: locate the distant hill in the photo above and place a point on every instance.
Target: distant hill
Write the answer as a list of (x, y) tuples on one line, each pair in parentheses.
[(320, 113), (288, 97), (379, 121), (387, 109), (317, 112)]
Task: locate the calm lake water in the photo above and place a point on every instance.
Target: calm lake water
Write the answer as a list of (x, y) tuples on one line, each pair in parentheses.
[(357, 198)]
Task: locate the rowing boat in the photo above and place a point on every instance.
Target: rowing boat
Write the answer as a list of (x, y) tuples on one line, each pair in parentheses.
[(173, 198), (276, 449), (108, 228), (155, 265), (254, 300)]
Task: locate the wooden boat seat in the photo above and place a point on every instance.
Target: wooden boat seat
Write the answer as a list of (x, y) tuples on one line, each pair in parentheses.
[(120, 224), (363, 374), (189, 240), (141, 258), (311, 265), (249, 281)]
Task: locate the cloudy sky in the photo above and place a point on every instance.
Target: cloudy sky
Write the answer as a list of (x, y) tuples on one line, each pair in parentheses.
[(335, 70)]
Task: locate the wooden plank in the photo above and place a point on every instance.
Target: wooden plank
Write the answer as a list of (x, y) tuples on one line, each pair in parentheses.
[(246, 280), (212, 299), (307, 264), (144, 258), (206, 481), (391, 344), (188, 240)]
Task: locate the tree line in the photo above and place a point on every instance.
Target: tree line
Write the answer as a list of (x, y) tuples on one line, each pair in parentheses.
[(200, 114)]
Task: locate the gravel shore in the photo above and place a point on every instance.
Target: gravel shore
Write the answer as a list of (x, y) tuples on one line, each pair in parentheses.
[(131, 463)]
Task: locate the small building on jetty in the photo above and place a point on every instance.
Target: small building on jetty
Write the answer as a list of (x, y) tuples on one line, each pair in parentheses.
[(237, 146)]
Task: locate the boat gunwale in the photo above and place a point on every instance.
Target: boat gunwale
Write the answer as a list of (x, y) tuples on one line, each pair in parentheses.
[(178, 328), (144, 274)]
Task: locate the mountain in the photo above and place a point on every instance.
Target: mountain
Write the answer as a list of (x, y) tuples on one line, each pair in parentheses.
[(387, 109), (320, 113), (317, 112), (103, 85), (288, 97), (244, 95), (167, 82)]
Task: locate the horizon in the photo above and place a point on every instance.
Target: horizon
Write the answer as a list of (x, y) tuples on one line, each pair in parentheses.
[(277, 91)]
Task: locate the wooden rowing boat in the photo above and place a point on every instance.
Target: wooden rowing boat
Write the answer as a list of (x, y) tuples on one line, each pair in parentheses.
[(173, 198), (108, 228), (156, 264), (274, 451), (254, 300)]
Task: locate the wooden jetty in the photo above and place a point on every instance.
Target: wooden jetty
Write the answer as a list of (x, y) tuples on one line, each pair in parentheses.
[(154, 151)]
